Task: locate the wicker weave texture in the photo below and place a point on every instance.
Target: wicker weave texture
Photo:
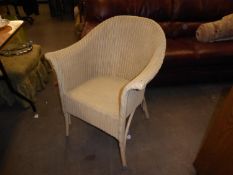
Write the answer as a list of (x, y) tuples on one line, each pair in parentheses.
[(124, 49)]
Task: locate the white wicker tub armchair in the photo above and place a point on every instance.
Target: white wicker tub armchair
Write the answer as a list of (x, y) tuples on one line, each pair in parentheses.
[(102, 78)]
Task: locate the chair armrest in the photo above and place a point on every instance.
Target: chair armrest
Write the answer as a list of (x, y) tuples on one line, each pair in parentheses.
[(71, 65), (133, 93)]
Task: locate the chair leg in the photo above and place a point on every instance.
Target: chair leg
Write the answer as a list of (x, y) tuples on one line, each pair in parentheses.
[(123, 139), (122, 146), (69, 118), (145, 109), (67, 123)]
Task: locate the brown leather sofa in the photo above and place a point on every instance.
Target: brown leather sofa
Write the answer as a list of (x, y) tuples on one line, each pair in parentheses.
[(187, 60)]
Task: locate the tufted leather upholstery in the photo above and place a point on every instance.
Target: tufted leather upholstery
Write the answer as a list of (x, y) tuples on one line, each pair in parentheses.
[(160, 10), (187, 60)]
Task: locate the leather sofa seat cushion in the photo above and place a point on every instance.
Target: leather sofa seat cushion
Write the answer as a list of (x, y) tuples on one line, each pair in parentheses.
[(184, 52), (218, 53), (179, 53)]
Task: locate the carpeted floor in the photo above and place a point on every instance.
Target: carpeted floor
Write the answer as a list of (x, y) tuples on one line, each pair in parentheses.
[(166, 144)]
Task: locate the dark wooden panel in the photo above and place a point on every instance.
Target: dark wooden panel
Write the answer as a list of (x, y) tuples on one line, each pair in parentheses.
[(216, 154)]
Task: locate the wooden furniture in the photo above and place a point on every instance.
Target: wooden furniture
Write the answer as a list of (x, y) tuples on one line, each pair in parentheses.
[(7, 32), (216, 153)]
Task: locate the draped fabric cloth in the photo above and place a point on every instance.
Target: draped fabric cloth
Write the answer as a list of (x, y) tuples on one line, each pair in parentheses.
[(28, 74)]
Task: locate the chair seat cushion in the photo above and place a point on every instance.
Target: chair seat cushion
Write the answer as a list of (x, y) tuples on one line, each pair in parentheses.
[(101, 94)]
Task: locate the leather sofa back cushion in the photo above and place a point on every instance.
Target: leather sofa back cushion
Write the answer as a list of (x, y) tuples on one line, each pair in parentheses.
[(201, 10), (160, 10), (99, 10), (172, 29), (180, 29)]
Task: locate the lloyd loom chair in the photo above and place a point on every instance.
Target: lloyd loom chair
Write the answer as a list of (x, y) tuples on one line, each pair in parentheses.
[(102, 78)]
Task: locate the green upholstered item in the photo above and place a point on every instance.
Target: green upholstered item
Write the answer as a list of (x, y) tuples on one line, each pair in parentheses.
[(19, 66), (28, 73)]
